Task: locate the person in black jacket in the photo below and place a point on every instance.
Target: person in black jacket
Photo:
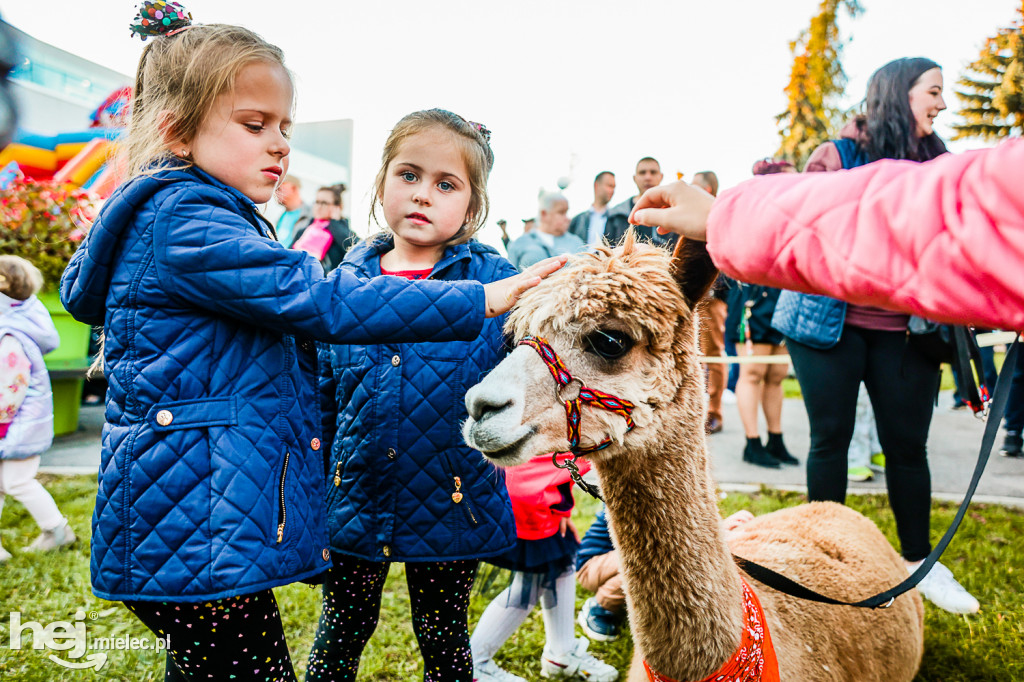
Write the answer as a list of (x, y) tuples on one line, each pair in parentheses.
[(648, 175), (326, 236)]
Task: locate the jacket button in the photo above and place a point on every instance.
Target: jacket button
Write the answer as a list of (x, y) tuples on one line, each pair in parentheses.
[(315, 443), (396, 360), (164, 417), (392, 454), (327, 554), (386, 550)]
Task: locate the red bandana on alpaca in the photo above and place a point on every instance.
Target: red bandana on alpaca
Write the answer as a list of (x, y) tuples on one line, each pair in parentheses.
[(754, 661)]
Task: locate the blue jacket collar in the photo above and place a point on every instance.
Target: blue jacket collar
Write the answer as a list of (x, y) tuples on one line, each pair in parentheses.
[(366, 255)]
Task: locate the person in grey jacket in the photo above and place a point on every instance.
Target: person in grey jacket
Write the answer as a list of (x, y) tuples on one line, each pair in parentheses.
[(550, 238)]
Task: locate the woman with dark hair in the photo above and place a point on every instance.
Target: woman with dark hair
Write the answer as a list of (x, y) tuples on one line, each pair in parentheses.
[(749, 326), (835, 346), (326, 236)]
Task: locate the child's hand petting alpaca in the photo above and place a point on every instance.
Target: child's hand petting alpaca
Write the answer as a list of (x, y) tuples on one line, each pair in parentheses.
[(503, 294), (732, 523)]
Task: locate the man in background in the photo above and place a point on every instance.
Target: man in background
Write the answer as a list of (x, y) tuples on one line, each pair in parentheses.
[(551, 236), (590, 225), (288, 195), (647, 176)]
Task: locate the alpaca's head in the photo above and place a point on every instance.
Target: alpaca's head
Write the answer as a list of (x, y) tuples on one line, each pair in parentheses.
[(622, 322)]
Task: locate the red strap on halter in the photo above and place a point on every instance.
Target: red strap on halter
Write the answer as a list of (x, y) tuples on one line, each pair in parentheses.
[(605, 401)]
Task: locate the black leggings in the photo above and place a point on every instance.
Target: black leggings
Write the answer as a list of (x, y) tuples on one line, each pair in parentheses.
[(238, 637), (439, 596), (902, 384)]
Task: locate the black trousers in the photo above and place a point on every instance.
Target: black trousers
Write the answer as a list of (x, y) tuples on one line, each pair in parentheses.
[(1015, 401), (439, 597), (902, 384), (233, 638)]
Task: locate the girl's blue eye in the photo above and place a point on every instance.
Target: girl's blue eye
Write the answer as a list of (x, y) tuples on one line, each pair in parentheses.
[(409, 176), (446, 186)]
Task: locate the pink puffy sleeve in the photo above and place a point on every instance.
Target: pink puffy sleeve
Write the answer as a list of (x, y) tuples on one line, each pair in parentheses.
[(944, 239)]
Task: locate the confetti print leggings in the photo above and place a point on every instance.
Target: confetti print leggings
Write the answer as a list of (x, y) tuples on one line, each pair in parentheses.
[(238, 638), (439, 596)]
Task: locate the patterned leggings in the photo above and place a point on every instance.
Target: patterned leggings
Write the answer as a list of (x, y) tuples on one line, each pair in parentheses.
[(439, 596), (237, 638)]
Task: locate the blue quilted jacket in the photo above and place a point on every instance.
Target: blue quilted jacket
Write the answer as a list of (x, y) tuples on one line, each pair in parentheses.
[(398, 456), (211, 474), (810, 319)]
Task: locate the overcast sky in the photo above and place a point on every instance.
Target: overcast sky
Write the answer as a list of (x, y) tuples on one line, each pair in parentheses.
[(568, 87)]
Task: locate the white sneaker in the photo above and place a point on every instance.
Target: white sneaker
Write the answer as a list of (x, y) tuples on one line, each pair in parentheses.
[(489, 671), (52, 539), (941, 588), (728, 397), (577, 665)]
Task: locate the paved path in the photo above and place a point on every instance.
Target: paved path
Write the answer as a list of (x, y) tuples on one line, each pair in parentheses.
[(952, 445)]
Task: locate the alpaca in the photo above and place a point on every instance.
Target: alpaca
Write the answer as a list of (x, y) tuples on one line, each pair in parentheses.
[(622, 321)]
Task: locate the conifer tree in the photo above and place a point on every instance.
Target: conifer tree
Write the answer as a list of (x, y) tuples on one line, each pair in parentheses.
[(816, 81), (992, 87)]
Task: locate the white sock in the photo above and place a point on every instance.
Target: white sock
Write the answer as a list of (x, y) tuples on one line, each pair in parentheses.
[(559, 611), (501, 618)]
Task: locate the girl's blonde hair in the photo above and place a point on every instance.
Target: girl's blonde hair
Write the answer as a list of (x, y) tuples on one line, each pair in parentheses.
[(476, 152), (178, 79)]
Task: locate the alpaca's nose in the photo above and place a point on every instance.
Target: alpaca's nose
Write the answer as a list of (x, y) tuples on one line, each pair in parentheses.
[(487, 399)]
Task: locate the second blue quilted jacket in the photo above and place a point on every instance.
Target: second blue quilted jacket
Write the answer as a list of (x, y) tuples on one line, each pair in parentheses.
[(402, 485), (211, 468)]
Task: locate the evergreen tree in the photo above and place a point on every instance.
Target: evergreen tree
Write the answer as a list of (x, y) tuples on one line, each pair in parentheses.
[(816, 81), (992, 88)]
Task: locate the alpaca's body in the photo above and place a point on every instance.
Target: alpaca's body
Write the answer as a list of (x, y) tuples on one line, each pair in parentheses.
[(683, 588), (835, 551)]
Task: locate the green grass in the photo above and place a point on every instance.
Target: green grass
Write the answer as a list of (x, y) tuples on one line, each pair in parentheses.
[(987, 556)]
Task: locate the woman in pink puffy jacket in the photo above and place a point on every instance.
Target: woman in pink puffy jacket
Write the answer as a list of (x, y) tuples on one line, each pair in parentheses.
[(943, 239)]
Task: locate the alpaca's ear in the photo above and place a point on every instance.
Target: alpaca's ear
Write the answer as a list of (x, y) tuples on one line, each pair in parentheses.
[(693, 269)]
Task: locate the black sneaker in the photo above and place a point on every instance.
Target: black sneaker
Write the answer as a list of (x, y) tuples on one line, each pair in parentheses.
[(777, 449), (598, 622), (755, 453), (1012, 445)]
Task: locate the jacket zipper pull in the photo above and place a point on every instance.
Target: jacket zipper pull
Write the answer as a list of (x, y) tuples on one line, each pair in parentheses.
[(337, 475), (280, 532), (457, 496)]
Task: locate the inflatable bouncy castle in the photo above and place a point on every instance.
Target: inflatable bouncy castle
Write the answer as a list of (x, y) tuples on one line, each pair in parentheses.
[(82, 158)]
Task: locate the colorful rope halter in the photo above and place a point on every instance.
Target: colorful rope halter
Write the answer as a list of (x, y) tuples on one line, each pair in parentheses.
[(605, 401)]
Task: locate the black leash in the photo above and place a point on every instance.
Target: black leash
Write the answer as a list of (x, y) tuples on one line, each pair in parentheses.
[(781, 583)]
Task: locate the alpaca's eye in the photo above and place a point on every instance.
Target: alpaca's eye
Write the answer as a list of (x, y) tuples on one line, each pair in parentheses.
[(610, 345)]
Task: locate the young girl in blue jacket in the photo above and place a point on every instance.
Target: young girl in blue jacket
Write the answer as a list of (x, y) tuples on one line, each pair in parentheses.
[(401, 484), (211, 474)]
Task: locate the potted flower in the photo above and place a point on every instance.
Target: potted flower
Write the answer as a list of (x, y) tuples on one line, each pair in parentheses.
[(44, 222)]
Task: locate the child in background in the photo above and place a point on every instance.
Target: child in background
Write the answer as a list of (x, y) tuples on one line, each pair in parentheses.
[(403, 485), (211, 476), (26, 402), (865, 456), (543, 570)]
